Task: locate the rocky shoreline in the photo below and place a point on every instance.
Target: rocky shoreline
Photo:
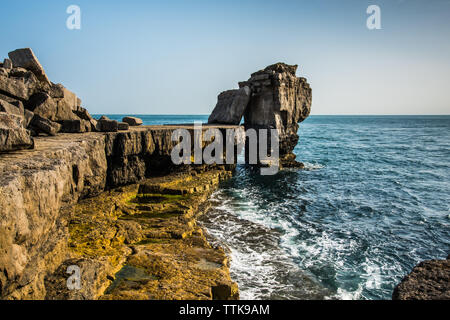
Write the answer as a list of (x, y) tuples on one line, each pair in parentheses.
[(43, 193), (104, 196)]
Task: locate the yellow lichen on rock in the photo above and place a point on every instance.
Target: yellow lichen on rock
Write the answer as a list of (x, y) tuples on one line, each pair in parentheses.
[(144, 242)]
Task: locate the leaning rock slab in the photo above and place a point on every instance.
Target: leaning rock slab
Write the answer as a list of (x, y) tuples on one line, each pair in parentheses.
[(231, 106), (25, 58), (13, 136)]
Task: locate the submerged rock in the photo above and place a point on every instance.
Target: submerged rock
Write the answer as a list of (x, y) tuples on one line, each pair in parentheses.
[(429, 280)]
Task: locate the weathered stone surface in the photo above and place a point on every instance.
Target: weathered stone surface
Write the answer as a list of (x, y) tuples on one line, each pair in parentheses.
[(66, 106), (7, 64), (72, 126), (43, 105), (123, 126), (231, 106), (19, 88), (108, 125), (36, 184), (40, 124), (132, 121), (28, 116), (10, 108), (25, 58), (429, 280), (13, 136), (280, 100)]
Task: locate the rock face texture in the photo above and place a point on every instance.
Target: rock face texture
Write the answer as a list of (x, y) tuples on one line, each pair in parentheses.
[(25, 58), (429, 280), (12, 134), (231, 106), (36, 185), (273, 98)]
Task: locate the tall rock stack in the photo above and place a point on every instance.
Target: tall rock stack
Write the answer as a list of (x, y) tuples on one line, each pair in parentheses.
[(273, 98)]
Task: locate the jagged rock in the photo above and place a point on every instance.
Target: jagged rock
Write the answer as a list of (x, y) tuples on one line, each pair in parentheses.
[(13, 136), (225, 291), (3, 72), (104, 118), (28, 116), (280, 100), (108, 125), (18, 88), (429, 280), (43, 105), (132, 121), (12, 109), (20, 72), (25, 58), (40, 124), (231, 106), (123, 126), (7, 64), (67, 105), (82, 113), (72, 126), (56, 91)]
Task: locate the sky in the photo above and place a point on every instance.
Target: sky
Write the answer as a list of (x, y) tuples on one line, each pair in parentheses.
[(175, 57)]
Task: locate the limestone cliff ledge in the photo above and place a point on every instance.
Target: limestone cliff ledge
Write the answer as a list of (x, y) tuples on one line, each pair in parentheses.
[(39, 187)]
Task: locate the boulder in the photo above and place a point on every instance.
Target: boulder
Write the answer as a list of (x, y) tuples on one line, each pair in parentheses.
[(7, 64), (3, 72), (231, 106), (429, 280), (19, 88), (25, 58), (43, 105), (133, 121), (104, 118), (11, 109), (72, 126), (40, 124), (108, 125), (13, 136), (123, 126), (28, 116)]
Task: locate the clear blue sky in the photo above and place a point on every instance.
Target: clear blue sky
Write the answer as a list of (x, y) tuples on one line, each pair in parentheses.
[(174, 57)]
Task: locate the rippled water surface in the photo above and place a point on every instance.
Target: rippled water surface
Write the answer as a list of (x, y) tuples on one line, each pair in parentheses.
[(372, 203)]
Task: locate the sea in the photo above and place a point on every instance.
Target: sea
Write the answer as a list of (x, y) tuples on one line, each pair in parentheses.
[(371, 203)]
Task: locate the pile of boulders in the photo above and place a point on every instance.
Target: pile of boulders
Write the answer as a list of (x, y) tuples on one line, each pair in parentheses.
[(31, 105)]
